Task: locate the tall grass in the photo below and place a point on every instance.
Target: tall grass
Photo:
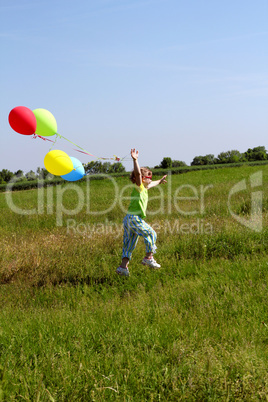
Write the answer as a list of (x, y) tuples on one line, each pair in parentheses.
[(197, 329)]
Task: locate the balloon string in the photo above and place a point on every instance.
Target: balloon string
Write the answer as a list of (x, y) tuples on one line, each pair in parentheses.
[(40, 136), (61, 136), (82, 150), (53, 143), (87, 153)]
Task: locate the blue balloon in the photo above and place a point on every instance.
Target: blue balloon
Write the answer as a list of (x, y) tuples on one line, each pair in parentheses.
[(77, 173)]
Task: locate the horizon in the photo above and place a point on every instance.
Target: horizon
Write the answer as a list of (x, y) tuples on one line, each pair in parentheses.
[(158, 165)]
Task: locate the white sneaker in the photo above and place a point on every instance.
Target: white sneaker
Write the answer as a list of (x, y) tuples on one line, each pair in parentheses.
[(150, 262), (122, 271)]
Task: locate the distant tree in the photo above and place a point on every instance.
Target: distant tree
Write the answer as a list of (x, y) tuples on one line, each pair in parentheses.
[(243, 157), (19, 173), (30, 175), (41, 173), (230, 157), (256, 154), (6, 175), (178, 163), (106, 167), (92, 167), (169, 163), (166, 163), (203, 160), (249, 155), (198, 160), (117, 167), (209, 159)]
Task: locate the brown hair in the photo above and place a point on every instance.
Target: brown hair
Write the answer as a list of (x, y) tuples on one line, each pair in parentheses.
[(145, 171)]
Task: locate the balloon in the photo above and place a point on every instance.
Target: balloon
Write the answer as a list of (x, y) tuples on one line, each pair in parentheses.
[(58, 162), (46, 123), (22, 120), (77, 173)]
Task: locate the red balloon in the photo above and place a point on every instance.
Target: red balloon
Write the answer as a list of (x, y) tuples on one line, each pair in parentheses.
[(22, 120)]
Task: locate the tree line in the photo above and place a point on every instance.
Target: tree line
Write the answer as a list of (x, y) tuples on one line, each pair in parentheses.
[(233, 156), (255, 154), (41, 173)]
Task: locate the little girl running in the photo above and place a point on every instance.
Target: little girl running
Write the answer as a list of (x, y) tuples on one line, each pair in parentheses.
[(134, 224)]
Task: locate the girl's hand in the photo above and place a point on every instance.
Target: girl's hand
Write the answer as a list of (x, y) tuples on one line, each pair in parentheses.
[(163, 180), (134, 154)]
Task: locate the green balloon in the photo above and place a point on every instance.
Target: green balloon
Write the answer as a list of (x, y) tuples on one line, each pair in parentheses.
[(46, 123)]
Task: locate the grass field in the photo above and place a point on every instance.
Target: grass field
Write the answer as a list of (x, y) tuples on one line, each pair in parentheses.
[(194, 330)]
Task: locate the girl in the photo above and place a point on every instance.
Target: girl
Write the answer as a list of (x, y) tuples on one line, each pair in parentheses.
[(134, 224)]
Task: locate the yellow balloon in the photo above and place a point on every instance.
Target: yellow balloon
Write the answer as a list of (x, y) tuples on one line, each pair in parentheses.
[(58, 162)]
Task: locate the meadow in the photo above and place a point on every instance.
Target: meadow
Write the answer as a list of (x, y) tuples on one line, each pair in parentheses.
[(71, 329)]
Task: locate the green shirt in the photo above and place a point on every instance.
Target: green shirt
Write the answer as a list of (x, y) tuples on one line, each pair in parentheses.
[(138, 201)]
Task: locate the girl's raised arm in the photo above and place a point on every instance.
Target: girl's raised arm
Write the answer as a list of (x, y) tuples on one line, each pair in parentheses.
[(135, 154)]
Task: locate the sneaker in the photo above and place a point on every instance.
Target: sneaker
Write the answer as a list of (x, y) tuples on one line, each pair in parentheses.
[(150, 262), (122, 271)]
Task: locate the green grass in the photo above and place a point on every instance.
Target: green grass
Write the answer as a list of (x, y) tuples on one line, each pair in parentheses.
[(197, 329)]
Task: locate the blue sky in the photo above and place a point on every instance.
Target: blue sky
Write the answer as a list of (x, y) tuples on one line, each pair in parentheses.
[(177, 78)]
